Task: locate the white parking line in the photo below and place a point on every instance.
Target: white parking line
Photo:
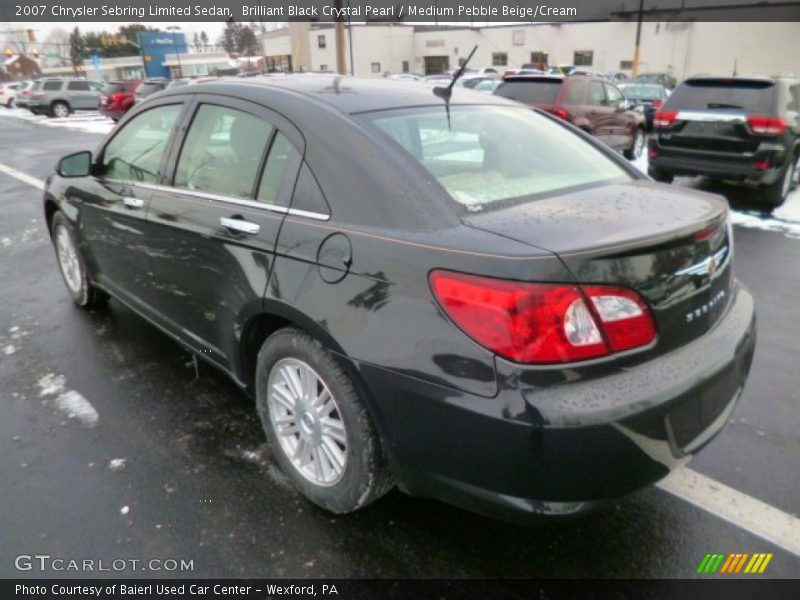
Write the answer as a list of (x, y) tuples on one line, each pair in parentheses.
[(23, 177), (743, 511), (759, 518)]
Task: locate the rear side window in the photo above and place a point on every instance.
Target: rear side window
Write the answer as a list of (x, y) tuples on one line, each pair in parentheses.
[(222, 152), (597, 97), (576, 93), (51, 86), (134, 154), (539, 91), (279, 174), (78, 86), (755, 97), (307, 194)]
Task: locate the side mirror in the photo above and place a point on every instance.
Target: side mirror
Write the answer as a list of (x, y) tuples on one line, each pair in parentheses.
[(75, 165)]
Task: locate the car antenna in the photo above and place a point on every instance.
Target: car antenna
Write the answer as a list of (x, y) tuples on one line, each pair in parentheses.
[(446, 92)]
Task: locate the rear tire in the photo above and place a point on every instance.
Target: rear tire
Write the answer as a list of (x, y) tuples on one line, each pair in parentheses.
[(637, 145), (661, 176), (774, 195), (59, 109), (317, 425), (72, 265)]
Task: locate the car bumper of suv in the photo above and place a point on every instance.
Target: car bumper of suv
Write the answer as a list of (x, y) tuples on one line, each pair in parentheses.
[(762, 167), (560, 451)]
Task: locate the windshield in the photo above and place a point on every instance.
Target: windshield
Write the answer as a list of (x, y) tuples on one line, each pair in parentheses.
[(534, 91), (491, 154), (753, 96)]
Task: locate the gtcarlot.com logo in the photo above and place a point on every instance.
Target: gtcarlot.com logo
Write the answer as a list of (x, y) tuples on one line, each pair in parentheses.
[(735, 563)]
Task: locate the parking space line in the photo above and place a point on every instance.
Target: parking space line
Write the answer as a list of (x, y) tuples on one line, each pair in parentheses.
[(23, 177), (726, 503), (743, 511)]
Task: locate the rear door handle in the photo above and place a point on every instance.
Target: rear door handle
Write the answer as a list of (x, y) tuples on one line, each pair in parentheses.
[(133, 202), (240, 225)]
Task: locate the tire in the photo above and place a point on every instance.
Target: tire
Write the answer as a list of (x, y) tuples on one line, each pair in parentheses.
[(59, 109), (72, 266), (661, 176), (637, 145), (10, 103), (363, 475), (774, 195)]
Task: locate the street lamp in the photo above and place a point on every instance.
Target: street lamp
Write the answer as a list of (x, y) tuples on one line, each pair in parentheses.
[(174, 29)]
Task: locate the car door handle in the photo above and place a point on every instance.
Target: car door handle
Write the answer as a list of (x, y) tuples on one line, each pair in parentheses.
[(134, 203), (240, 225)]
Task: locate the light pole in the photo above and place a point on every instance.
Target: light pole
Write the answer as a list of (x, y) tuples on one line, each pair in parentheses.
[(174, 29)]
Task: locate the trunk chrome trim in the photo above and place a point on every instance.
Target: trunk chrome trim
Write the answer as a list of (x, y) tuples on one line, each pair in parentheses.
[(697, 115)]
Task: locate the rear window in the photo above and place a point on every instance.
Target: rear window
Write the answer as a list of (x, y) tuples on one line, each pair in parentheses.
[(485, 155), (535, 91), (148, 88), (117, 86), (726, 94)]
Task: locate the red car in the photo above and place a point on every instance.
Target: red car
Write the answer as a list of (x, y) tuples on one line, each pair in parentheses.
[(590, 103), (118, 97)]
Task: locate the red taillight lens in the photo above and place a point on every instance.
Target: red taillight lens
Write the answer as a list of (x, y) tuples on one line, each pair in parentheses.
[(542, 322), (116, 98), (560, 113), (665, 118), (656, 104), (771, 126)]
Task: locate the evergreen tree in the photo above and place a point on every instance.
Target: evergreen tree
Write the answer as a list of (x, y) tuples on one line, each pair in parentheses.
[(77, 49)]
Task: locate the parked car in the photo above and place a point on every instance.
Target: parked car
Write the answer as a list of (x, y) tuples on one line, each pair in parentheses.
[(148, 87), (665, 79), (455, 303), (617, 77), (733, 128), (173, 83), (118, 97), (650, 96), (59, 96), (589, 103), (8, 93), (487, 86), (23, 94)]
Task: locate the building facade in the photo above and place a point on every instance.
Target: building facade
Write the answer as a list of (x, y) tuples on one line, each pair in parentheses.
[(679, 48)]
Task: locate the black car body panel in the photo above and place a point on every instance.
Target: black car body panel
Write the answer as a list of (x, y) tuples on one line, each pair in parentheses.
[(347, 259)]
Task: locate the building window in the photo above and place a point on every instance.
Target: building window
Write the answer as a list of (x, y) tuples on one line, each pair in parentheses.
[(499, 59), (518, 37), (321, 41), (405, 66), (583, 58), (539, 58), (626, 64), (376, 67), (323, 68)]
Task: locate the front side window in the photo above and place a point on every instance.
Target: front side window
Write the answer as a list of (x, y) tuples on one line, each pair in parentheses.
[(134, 154), (222, 152), (491, 154)]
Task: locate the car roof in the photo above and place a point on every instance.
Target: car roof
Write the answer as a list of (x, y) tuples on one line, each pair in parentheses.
[(346, 94)]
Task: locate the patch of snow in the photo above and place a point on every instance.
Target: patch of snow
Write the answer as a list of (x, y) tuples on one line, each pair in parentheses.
[(125, 510), (51, 384), (6, 242), (88, 122), (77, 407), (117, 464), (9, 349)]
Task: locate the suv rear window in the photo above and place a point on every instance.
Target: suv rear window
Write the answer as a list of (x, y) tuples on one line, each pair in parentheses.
[(533, 91), (752, 96)]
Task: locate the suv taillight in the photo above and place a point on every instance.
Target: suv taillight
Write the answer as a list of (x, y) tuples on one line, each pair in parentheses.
[(665, 118), (656, 104), (771, 126), (560, 113), (544, 323), (116, 97)]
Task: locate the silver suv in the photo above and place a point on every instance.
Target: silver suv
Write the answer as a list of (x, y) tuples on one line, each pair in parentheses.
[(58, 97)]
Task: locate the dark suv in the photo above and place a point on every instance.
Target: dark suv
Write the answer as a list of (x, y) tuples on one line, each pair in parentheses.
[(732, 128), (594, 105)]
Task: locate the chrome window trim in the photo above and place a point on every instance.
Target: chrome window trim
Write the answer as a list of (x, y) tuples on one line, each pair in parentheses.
[(295, 212)]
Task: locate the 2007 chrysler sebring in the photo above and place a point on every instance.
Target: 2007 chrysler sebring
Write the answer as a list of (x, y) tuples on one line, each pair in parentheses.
[(466, 298)]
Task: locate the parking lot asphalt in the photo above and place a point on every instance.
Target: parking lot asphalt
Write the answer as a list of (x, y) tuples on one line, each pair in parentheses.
[(193, 478)]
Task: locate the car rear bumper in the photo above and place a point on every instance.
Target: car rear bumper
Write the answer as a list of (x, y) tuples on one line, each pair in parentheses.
[(112, 112), (564, 450), (740, 167)]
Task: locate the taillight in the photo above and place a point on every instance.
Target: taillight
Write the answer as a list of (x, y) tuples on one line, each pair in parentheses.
[(38, 95), (656, 104), (544, 323), (665, 118), (116, 98), (771, 126), (560, 113)]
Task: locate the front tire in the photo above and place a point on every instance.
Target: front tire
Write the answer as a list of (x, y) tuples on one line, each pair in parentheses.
[(72, 266), (637, 145), (661, 176), (774, 195), (59, 109), (317, 425)]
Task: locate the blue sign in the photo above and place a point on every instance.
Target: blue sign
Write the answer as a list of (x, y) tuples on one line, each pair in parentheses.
[(155, 47), (97, 62)]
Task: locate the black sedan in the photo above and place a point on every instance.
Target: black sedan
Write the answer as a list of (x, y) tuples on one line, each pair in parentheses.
[(462, 297)]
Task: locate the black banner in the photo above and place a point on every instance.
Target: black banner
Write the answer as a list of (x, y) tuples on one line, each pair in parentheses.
[(407, 11)]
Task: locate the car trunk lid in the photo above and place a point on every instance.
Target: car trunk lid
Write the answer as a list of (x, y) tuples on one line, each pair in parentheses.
[(671, 246)]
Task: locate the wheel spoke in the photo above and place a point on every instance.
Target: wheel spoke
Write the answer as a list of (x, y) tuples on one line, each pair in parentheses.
[(335, 429), (334, 454), (284, 396)]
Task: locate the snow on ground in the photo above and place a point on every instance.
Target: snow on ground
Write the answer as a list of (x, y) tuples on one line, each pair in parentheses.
[(88, 121), (71, 403)]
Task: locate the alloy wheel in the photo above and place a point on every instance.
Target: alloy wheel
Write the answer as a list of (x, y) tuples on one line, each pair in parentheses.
[(307, 422), (638, 144), (60, 110), (68, 259)]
